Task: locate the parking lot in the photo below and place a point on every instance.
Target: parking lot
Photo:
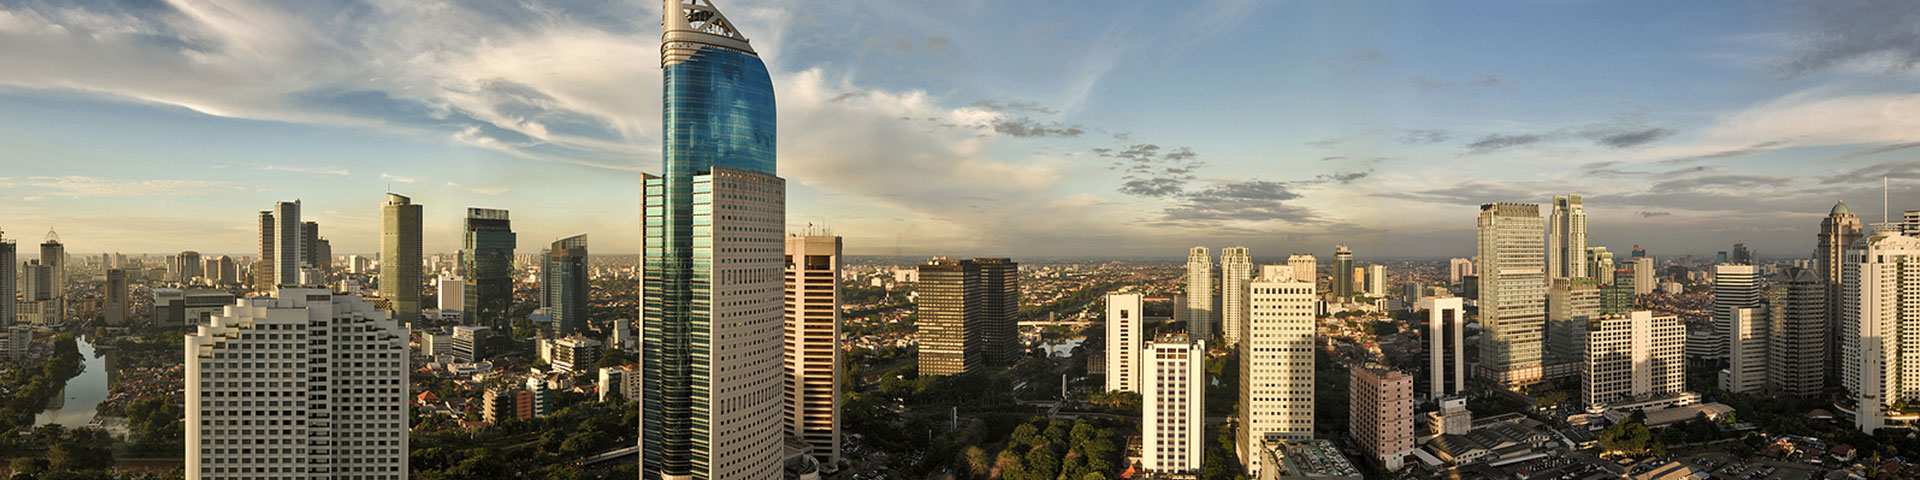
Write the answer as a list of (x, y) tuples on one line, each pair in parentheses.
[(1721, 466)]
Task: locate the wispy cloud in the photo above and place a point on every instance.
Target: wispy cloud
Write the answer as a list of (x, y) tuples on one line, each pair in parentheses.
[(81, 186), (490, 191), (392, 177), (306, 170)]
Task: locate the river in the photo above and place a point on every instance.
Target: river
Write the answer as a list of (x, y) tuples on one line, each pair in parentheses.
[(75, 406)]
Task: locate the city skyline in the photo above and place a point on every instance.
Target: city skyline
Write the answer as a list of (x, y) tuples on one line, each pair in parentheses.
[(1763, 118)]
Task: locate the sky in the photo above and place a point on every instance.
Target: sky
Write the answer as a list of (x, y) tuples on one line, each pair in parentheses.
[(1024, 129)]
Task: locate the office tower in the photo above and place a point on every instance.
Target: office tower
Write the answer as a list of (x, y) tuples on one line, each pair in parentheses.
[(1359, 287), (1305, 267), (487, 250), (1744, 335), (1881, 364), (564, 285), (949, 299), (624, 380), (263, 276), (450, 297), (812, 344), (470, 342), (312, 261), (1342, 273), (9, 274), (622, 336), (1276, 366), (541, 396), (1200, 313), (1644, 278), (322, 257), (1000, 310), (36, 281), (1513, 297), (1381, 413), (16, 340), (576, 354), (1567, 238), (719, 162), (115, 302), (1736, 287), (1797, 334), (1569, 302), (1618, 298), (1376, 280), (229, 271), (1638, 252), (1632, 358), (1743, 255), (286, 250), (1720, 257), (1600, 265), (1446, 345), (53, 255), (1838, 231), (1172, 396), (327, 373), (186, 265), (1236, 269), (399, 257), (1458, 269), (1123, 342)]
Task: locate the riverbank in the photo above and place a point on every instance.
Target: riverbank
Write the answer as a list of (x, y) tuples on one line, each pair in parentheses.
[(30, 387)]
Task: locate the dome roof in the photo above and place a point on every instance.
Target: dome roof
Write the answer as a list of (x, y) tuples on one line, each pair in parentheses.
[(1840, 209)]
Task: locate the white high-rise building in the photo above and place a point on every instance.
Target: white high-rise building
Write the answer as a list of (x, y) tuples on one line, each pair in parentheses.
[(1172, 424), (1746, 333), (1276, 366), (288, 249), (1236, 269), (1200, 314), (1123, 342), (1734, 287), (1567, 238), (1305, 267), (1447, 345), (1513, 292), (1459, 268), (451, 296), (813, 365), (1880, 361), (1376, 280), (1643, 276), (306, 385), (1635, 357), (1600, 265)]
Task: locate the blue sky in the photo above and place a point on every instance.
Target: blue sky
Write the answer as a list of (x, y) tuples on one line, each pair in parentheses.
[(972, 127)]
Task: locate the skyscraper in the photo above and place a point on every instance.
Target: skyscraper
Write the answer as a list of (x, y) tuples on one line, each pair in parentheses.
[(1459, 268), (1740, 324), (1513, 297), (54, 256), (1635, 357), (399, 257), (1881, 367), (1569, 302), (1600, 265), (487, 249), (1276, 366), (263, 276), (563, 281), (812, 344), (1000, 310), (1743, 255), (450, 297), (115, 303), (1171, 418), (1236, 269), (1380, 409), (186, 266), (949, 300), (1797, 334), (1838, 231), (1376, 280), (286, 250), (9, 273), (711, 308), (1342, 273), (1123, 342), (1305, 267), (1200, 313), (311, 258), (1644, 278), (1446, 345), (1567, 238), (297, 382)]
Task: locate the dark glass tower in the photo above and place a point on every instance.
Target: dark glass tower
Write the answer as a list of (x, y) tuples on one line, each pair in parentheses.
[(488, 253), (564, 282), (711, 293)]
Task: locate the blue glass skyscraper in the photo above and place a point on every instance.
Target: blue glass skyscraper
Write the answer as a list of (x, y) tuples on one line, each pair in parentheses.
[(712, 287)]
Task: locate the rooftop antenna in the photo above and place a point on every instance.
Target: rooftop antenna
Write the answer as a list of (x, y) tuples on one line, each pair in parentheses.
[(1885, 214)]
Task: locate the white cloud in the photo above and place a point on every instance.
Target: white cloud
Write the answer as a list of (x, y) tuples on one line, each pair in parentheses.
[(388, 176), (489, 191), (308, 170), (80, 186)]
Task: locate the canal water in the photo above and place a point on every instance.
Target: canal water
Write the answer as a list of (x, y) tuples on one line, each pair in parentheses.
[(75, 406)]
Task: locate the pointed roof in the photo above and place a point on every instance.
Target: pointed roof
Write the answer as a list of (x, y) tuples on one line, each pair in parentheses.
[(1840, 208), (689, 24)]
